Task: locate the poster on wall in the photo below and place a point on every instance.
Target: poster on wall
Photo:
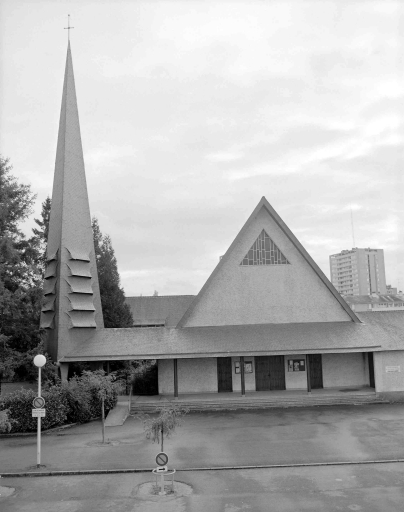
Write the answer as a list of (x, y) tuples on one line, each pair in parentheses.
[(296, 365), (248, 367)]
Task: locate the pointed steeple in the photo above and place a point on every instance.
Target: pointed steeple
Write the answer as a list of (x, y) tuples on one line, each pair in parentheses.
[(72, 303)]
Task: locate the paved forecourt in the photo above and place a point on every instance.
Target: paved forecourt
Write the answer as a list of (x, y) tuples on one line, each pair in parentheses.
[(224, 438)]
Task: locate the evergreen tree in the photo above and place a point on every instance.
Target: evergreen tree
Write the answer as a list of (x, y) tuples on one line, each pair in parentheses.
[(20, 276), (41, 234), (114, 308)]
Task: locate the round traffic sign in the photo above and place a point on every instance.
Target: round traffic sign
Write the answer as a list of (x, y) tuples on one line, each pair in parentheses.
[(162, 459), (38, 402)]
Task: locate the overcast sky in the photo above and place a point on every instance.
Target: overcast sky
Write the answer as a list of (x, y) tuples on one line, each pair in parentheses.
[(191, 111)]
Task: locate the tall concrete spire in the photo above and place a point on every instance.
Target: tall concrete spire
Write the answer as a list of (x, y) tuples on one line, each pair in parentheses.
[(71, 309)]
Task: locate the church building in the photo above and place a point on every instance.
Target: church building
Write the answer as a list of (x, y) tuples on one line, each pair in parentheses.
[(267, 318)]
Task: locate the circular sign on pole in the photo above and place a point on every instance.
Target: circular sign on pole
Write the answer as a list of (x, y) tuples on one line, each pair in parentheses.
[(162, 459), (38, 402)]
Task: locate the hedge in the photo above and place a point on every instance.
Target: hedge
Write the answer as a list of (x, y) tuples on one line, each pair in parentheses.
[(19, 406), (76, 401)]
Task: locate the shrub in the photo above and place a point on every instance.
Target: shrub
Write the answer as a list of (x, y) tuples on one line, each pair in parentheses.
[(78, 401), (101, 385), (19, 405), (5, 422)]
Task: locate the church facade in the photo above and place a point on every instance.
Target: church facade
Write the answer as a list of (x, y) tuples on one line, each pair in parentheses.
[(267, 318)]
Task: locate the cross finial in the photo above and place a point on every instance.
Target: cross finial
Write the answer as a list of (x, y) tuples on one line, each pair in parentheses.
[(68, 28)]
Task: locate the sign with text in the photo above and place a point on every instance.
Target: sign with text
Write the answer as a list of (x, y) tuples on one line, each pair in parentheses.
[(390, 369), (38, 413)]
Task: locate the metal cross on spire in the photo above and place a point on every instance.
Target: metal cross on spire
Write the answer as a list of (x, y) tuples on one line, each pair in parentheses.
[(68, 28)]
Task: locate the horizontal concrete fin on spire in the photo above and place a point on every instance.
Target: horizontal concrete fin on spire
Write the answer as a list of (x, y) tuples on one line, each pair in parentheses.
[(79, 268), (49, 304), (49, 286), (77, 254), (82, 319), (47, 320), (51, 269), (81, 302), (79, 285), (52, 256)]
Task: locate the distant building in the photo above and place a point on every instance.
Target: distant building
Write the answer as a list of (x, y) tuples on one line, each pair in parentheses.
[(375, 302), (358, 271), (391, 290)]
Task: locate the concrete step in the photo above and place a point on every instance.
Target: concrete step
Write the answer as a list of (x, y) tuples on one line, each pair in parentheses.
[(245, 403)]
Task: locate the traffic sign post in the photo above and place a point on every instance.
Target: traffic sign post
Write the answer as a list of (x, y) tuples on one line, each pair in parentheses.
[(38, 403), (38, 413), (162, 459)]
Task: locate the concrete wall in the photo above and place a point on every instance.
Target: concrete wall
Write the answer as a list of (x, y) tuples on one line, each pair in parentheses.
[(194, 376), (295, 380), (389, 371), (241, 295), (339, 370), (249, 377), (345, 370)]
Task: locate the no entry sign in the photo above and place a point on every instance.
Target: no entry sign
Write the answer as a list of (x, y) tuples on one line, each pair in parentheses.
[(38, 402), (162, 459)]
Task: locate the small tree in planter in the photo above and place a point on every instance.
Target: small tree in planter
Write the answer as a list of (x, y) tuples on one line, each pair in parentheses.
[(164, 425)]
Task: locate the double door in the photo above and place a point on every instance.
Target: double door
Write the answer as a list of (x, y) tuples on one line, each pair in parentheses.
[(269, 373)]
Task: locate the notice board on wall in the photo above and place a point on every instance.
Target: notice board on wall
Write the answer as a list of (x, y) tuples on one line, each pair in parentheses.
[(296, 365)]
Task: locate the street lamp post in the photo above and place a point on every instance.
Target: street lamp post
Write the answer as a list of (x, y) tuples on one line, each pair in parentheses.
[(39, 361)]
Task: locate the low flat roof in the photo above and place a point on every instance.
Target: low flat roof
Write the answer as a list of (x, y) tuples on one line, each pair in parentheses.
[(379, 331)]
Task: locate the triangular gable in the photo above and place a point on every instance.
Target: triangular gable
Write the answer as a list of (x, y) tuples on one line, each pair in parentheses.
[(237, 294), (264, 252)]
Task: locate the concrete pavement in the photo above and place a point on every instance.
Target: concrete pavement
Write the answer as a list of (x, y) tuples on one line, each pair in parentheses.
[(212, 439), (346, 488)]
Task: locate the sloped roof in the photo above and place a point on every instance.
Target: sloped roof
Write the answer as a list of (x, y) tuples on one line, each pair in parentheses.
[(373, 299), (379, 331), (165, 309), (281, 224)]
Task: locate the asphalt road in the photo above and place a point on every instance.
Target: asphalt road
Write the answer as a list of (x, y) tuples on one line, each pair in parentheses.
[(367, 488), (273, 436)]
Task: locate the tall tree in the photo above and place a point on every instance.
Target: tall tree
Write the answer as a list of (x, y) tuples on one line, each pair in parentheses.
[(20, 276), (40, 237), (114, 308)]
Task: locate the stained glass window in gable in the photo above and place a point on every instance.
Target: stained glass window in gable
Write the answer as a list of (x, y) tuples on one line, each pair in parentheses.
[(264, 252)]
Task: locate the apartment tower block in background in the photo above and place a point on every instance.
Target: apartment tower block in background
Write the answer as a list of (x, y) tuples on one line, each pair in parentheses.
[(358, 271)]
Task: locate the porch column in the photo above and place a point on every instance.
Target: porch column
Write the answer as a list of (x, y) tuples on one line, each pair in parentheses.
[(242, 375), (64, 370), (96, 365), (176, 379), (308, 374), (108, 371)]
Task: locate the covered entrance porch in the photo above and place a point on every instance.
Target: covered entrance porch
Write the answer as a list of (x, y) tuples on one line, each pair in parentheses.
[(238, 375), (258, 399)]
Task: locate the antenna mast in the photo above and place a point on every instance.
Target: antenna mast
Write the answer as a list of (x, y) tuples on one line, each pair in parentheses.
[(353, 232)]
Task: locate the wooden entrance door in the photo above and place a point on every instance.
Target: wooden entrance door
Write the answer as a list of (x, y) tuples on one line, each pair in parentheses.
[(316, 371), (224, 377), (371, 370), (269, 373)]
